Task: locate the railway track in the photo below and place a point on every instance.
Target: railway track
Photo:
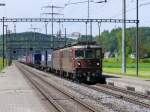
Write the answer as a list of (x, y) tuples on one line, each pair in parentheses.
[(125, 95), (138, 99), (42, 91), (146, 97), (44, 87), (129, 96)]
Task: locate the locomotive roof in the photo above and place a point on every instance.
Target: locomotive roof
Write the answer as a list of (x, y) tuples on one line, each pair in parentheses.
[(86, 46), (82, 45)]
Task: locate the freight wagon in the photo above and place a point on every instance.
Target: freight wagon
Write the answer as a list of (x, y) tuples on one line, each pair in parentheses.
[(46, 62)]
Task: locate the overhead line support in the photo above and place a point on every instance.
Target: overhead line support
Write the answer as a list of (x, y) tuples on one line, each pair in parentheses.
[(124, 37), (66, 20), (137, 38), (3, 20)]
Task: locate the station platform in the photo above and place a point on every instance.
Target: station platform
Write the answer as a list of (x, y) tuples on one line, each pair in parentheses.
[(129, 83), (16, 94)]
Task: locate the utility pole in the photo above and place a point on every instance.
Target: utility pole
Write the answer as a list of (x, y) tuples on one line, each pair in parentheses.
[(99, 29), (65, 37), (137, 38), (53, 25), (52, 7), (86, 31), (9, 56), (6, 36), (14, 27), (46, 24), (59, 31), (88, 9), (124, 37), (2, 4), (3, 42), (88, 12), (34, 31), (91, 30), (14, 37), (88, 16), (52, 14)]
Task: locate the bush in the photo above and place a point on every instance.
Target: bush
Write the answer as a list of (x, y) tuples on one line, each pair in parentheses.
[(147, 60)]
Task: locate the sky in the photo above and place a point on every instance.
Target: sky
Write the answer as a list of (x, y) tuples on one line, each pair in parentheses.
[(110, 10)]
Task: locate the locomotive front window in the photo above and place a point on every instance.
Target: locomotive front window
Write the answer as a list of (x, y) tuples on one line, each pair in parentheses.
[(98, 53), (79, 54), (90, 53)]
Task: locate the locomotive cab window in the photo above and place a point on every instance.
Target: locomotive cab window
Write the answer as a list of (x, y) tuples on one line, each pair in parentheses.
[(98, 53), (79, 54), (90, 53)]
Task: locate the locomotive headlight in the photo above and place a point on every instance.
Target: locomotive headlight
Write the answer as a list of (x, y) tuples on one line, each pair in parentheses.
[(93, 74), (98, 64), (79, 64)]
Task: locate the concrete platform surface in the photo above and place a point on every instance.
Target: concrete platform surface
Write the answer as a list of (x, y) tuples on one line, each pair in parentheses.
[(129, 83), (16, 95)]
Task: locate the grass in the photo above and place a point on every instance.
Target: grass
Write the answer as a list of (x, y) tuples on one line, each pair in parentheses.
[(1, 64), (114, 66)]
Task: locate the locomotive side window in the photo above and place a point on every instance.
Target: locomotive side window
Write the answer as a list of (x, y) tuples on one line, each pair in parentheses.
[(79, 54)]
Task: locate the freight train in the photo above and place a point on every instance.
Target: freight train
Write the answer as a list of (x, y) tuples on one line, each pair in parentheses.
[(80, 62)]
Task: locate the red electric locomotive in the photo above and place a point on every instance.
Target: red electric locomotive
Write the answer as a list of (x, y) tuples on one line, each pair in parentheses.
[(81, 61)]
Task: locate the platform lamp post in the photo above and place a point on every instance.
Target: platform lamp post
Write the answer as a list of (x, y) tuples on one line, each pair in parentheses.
[(2, 4)]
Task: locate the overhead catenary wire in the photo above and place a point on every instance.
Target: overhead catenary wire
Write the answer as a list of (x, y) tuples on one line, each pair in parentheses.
[(130, 9)]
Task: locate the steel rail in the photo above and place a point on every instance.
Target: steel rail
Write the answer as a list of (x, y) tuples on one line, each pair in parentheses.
[(42, 91), (117, 95), (134, 94), (128, 99), (126, 91), (89, 107)]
